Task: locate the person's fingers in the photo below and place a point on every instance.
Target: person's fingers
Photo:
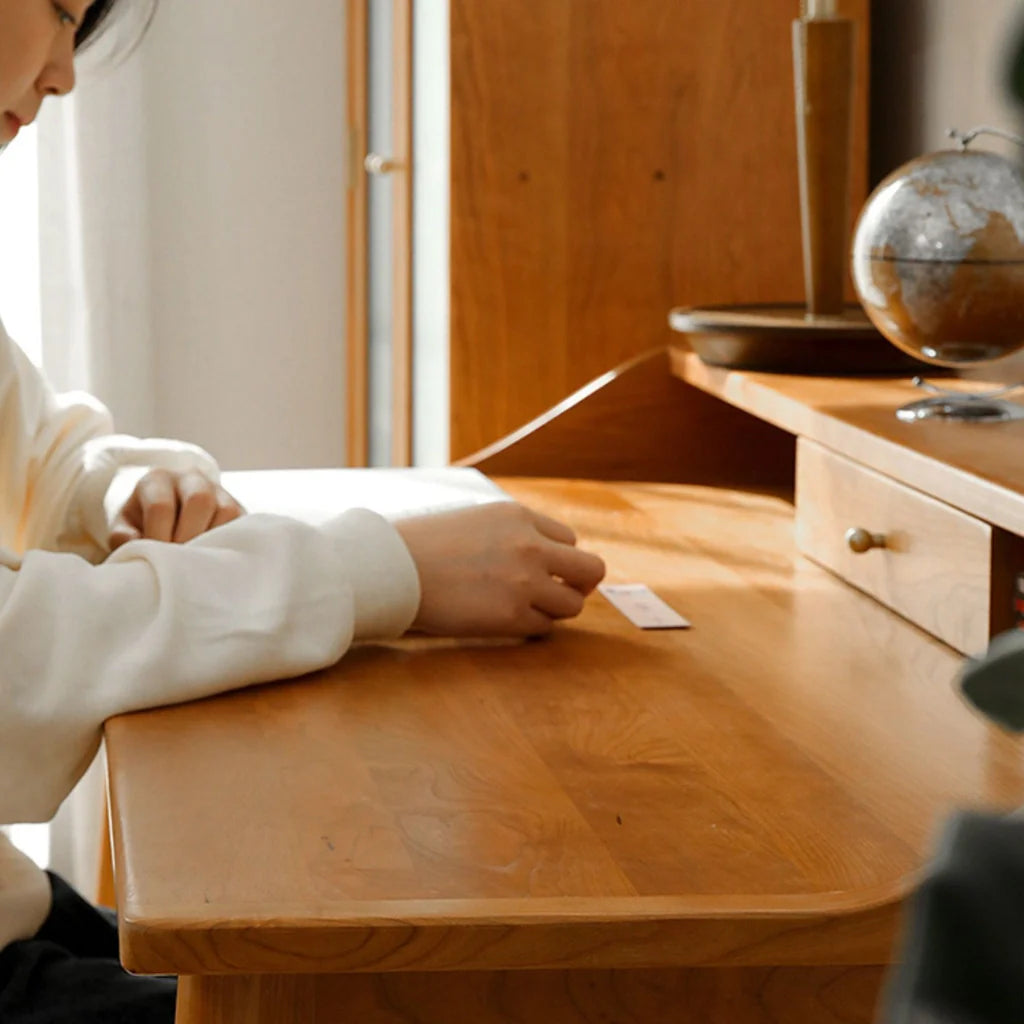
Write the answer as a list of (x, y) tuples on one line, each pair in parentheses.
[(227, 509), (533, 622), (121, 533), (581, 570), (158, 501), (197, 506), (553, 529), (497, 570), (173, 507), (557, 600)]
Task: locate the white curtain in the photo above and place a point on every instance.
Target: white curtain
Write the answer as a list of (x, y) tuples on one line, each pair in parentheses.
[(94, 243), (19, 241)]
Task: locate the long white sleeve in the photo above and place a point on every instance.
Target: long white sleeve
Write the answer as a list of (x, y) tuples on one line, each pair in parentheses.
[(58, 456), (262, 598)]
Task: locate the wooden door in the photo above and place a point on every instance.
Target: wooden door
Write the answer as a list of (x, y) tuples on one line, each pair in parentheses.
[(611, 160)]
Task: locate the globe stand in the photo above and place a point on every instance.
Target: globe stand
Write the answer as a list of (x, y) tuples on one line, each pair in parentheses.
[(981, 407)]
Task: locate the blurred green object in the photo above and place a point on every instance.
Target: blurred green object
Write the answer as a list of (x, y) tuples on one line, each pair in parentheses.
[(994, 683)]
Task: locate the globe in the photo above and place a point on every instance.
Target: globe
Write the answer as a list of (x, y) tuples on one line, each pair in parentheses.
[(938, 257)]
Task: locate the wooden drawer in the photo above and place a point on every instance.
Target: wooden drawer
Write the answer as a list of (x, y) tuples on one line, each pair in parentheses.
[(937, 564)]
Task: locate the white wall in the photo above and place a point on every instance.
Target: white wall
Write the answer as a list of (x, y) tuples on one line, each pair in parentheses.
[(938, 64), (19, 242), (431, 286), (193, 232), (244, 141)]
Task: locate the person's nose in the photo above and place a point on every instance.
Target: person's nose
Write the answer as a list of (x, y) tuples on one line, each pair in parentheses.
[(58, 77)]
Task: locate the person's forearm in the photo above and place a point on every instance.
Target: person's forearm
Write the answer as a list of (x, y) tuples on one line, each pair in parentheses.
[(262, 598)]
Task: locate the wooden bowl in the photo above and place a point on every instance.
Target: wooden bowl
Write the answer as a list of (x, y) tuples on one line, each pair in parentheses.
[(783, 338)]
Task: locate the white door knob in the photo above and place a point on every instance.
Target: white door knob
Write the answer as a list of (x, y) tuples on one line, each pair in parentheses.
[(380, 165)]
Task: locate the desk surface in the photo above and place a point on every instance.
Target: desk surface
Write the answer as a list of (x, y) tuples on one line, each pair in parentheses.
[(607, 797)]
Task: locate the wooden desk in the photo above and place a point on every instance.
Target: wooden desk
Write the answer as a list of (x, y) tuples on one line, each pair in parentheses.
[(610, 825)]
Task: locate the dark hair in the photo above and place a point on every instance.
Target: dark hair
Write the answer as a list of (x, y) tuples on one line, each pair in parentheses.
[(93, 21), (99, 14)]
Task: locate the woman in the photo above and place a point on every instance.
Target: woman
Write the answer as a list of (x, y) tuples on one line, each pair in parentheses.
[(89, 598)]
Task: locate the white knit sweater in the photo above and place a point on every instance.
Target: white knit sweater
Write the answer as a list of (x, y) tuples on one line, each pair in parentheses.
[(85, 635)]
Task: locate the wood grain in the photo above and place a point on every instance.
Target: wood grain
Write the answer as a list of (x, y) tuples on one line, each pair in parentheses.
[(611, 161), (936, 566), (759, 791), (974, 467), (105, 894), (640, 423), (761, 996)]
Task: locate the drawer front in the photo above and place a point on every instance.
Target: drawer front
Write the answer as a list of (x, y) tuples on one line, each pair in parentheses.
[(936, 565)]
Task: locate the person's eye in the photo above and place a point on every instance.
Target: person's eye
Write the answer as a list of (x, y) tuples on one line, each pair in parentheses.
[(64, 16)]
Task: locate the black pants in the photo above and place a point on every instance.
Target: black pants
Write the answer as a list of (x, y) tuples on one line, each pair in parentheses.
[(963, 955), (69, 973)]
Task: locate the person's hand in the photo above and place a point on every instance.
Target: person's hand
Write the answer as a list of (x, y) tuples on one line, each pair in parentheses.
[(497, 570), (172, 507)]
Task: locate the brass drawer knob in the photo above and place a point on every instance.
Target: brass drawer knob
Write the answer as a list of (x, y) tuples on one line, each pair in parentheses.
[(859, 540)]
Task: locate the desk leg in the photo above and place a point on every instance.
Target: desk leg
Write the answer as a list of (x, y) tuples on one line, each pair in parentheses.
[(252, 999), (763, 995)]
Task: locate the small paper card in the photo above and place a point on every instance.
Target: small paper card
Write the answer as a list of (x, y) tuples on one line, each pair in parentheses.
[(642, 606)]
